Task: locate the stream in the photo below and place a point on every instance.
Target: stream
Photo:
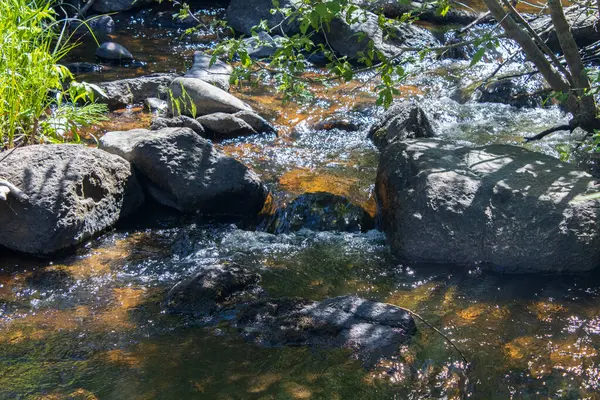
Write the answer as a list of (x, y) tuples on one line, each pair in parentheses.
[(89, 325)]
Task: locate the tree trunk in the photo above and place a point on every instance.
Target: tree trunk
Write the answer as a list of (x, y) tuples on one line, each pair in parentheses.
[(582, 105)]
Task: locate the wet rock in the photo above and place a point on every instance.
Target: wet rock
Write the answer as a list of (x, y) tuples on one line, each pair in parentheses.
[(425, 11), (583, 26), (108, 6), (101, 23), (74, 193), (261, 46), (195, 97), (340, 123), (182, 170), (372, 330), (225, 126), (156, 106), (178, 122), (211, 288), (258, 123), (320, 212), (217, 74), (84, 67), (353, 39), (243, 15), (113, 51), (502, 206), (507, 91), (124, 92), (401, 121)]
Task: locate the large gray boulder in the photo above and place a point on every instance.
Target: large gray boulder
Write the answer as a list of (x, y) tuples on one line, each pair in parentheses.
[(243, 15), (108, 6), (353, 40), (182, 170), (217, 74), (401, 121), (195, 97), (74, 192), (426, 11), (500, 206), (123, 92)]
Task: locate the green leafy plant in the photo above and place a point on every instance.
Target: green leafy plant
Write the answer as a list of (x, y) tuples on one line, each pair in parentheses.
[(40, 101)]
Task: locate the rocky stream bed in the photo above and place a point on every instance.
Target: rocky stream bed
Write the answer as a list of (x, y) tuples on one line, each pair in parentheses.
[(270, 251)]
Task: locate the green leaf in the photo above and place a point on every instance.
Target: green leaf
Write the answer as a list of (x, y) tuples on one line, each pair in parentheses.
[(478, 55)]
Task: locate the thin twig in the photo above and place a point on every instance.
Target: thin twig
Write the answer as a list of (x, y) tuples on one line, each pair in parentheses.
[(414, 314)]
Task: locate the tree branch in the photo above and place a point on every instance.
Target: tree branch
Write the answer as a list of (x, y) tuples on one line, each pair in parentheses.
[(6, 187), (547, 132)]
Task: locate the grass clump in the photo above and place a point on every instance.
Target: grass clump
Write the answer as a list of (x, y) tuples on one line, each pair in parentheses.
[(40, 101)]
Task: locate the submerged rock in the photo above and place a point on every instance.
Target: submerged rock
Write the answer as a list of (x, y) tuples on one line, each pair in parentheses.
[(217, 74), (114, 52), (424, 10), (195, 97), (182, 170), (74, 193), (211, 288), (401, 121), (124, 92), (372, 330), (320, 212), (498, 205), (178, 122), (84, 67)]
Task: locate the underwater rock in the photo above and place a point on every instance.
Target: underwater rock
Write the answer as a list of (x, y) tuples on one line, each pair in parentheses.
[(124, 92), (370, 329), (210, 288), (217, 74), (114, 52), (84, 67), (195, 97), (403, 120), (500, 206), (182, 121), (74, 192), (184, 171), (320, 212)]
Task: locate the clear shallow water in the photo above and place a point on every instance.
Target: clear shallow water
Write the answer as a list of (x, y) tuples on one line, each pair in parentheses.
[(90, 325)]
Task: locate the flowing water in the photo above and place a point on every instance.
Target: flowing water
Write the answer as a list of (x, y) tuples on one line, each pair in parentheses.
[(89, 325)]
